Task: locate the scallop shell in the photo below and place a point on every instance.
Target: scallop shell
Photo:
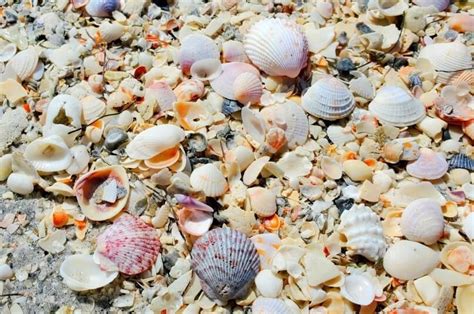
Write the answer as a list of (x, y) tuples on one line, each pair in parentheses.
[(102, 8), (263, 305), (276, 46), (458, 256), (408, 260), (248, 88), (422, 221), (195, 217), (233, 51), (195, 47), (102, 193), (224, 83), (209, 179), (440, 5), (192, 115), (81, 273), (160, 93), (395, 106), (363, 231), (226, 262), (154, 141), (92, 108), (328, 99), (262, 201), (358, 289), (206, 69), (48, 154), (24, 63), (430, 165), (129, 246), (20, 183), (189, 90)]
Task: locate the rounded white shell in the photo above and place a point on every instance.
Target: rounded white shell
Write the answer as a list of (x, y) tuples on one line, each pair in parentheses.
[(102, 8), (422, 221), (24, 63), (20, 183), (268, 284), (209, 179), (92, 108), (224, 83), (430, 165), (80, 159), (269, 305), (48, 154), (328, 99), (248, 88), (276, 46), (7, 52), (395, 106), (233, 51), (195, 47), (206, 69), (262, 201), (358, 289), (363, 231)]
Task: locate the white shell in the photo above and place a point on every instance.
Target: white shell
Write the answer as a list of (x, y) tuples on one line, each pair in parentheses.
[(209, 179), (395, 106), (48, 154), (363, 231), (192, 115), (362, 86), (248, 88), (6, 272), (253, 124), (81, 273), (408, 260), (294, 165), (233, 51), (206, 69), (358, 289), (5, 166), (253, 170), (102, 8), (451, 278), (262, 201), (20, 183), (267, 245), (242, 155), (92, 108), (422, 221), (80, 159), (276, 46), (63, 105), (224, 83), (268, 284), (468, 226), (195, 47), (111, 31), (7, 52), (427, 289), (430, 165), (24, 63), (328, 99), (331, 168)]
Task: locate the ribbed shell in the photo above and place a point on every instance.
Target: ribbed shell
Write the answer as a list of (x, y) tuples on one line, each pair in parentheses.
[(297, 125), (276, 46), (130, 244), (209, 179), (461, 161), (395, 106), (263, 305), (248, 88), (224, 83), (422, 221), (196, 47), (24, 63), (328, 99), (430, 165)]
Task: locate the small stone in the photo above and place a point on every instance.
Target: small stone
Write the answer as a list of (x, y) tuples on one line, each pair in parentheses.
[(115, 138), (5, 272), (343, 204)]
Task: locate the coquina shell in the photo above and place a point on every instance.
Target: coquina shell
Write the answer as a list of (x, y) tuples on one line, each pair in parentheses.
[(430, 165), (328, 99), (195, 47), (276, 46), (226, 262), (209, 179), (264, 305), (129, 246), (102, 8), (363, 231), (422, 221), (395, 106), (48, 154)]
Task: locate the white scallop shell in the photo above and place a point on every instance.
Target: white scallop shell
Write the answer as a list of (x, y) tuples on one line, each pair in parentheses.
[(268, 284), (328, 99), (395, 106), (248, 88), (80, 159), (422, 221), (276, 46), (233, 51), (363, 231), (195, 47), (263, 305), (102, 8), (24, 63), (430, 165), (20, 183), (224, 83), (262, 201), (92, 108), (48, 154), (358, 289), (209, 179), (206, 69)]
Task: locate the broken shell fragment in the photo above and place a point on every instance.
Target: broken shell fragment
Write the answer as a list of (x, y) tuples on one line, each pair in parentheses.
[(206, 69), (458, 256), (195, 217), (192, 115), (48, 154), (224, 83)]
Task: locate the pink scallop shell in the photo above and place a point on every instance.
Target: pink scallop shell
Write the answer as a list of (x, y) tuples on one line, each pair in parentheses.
[(224, 83), (430, 165)]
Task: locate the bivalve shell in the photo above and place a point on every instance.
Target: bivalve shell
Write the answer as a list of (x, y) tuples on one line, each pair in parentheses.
[(195, 217), (358, 289), (430, 165), (422, 221), (233, 51), (48, 154), (20, 183), (224, 83), (189, 90), (268, 284), (440, 5), (206, 69), (263, 305), (102, 8), (195, 47), (458, 256), (209, 179), (262, 201), (248, 88), (24, 63)]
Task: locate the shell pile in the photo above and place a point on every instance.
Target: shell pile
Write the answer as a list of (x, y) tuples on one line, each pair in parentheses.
[(223, 156)]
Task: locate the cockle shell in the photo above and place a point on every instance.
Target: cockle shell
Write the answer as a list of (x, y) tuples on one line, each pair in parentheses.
[(363, 232), (458, 256), (102, 8), (154, 141), (395, 106), (430, 165), (195, 217), (358, 289), (248, 88), (129, 246), (209, 179), (102, 193), (422, 221), (328, 99), (408, 260), (268, 284), (262, 201), (195, 47), (226, 262), (224, 83), (48, 154), (192, 115), (206, 69), (20, 183), (233, 51), (92, 108), (189, 90), (81, 273), (276, 46), (24, 63), (263, 305), (440, 5)]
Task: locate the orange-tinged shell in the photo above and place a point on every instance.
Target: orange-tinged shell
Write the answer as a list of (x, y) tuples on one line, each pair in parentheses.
[(196, 47), (164, 159), (189, 90), (191, 115), (462, 23)]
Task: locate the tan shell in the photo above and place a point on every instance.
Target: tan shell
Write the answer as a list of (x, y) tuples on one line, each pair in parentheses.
[(189, 90)]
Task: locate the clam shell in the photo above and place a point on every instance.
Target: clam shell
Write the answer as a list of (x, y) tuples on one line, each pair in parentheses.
[(394, 105), (233, 51), (189, 90), (276, 46), (461, 161), (226, 262), (328, 99), (195, 47), (80, 159), (422, 221), (192, 115), (248, 88), (129, 246), (165, 159), (195, 217), (268, 284), (440, 5), (24, 63), (102, 8), (262, 201), (458, 256), (358, 289), (263, 305), (20, 183), (92, 108), (48, 154), (209, 179), (430, 165), (224, 83), (206, 69), (7, 52)]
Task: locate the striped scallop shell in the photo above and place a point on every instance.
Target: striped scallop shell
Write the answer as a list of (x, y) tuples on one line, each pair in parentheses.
[(276, 46), (461, 161), (328, 99), (196, 47), (226, 262), (209, 179), (422, 221), (248, 88), (224, 83), (395, 106), (263, 305), (430, 165), (129, 244)]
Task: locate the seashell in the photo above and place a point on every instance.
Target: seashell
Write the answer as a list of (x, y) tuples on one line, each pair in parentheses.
[(422, 221), (102, 8), (287, 259), (358, 289), (154, 141), (263, 305), (224, 83), (328, 99), (189, 90), (433, 127), (6, 272), (319, 39), (165, 159), (81, 273), (430, 165), (262, 201), (111, 31), (357, 170), (268, 284), (129, 246), (253, 170), (5, 166), (363, 232), (464, 299), (339, 135), (392, 152), (20, 183), (192, 115), (233, 51), (248, 88), (48, 154), (92, 108), (195, 47), (409, 192), (462, 23), (468, 226), (361, 85), (242, 155), (446, 277), (451, 57), (458, 256), (276, 46), (63, 116), (296, 123), (331, 168), (408, 260), (294, 165), (395, 106), (325, 272), (24, 63), (455, 104), (209, 179), (7, 52), (206, 69), (384, 8), (275, 139), (160, 93), (12, 90), (102, 193), (231, 275), (253, 124), (267, 245), (427, 289), (440, 5), (195, 217)]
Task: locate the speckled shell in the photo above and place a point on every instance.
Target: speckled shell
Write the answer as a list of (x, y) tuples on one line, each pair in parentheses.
[(269, 306), (430, 165), (248, 88), (461, 161), (102, 8), (196, 47), (276, 46), (129, 244), (422, 221), (440, 5), (328, 99), (363, 231), (224, 83), (395, 106), (226, 262)]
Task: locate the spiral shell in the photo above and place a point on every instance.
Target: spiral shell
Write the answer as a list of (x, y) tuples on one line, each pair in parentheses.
[(248, 88), (196, 47), (422, 221), (430, 165)]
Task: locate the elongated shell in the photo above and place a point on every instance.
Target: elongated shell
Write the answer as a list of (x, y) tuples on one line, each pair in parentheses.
[(224, 83), (264, 305), (24, 63), (196, 47), (226, 262), (48, 154), (208, 179), (248, 88), (276, 46), (395, 106), (422, 221), (129, 246), (102, 8), (328, 99), (430, 165)]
